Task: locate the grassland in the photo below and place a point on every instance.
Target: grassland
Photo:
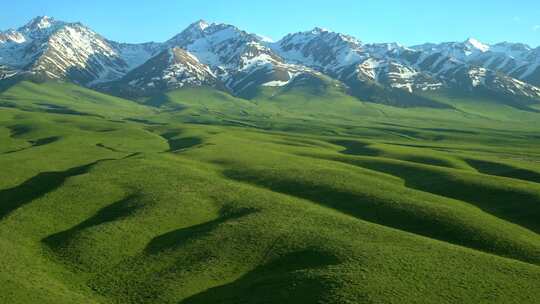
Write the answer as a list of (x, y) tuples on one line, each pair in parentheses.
[(195, 196)]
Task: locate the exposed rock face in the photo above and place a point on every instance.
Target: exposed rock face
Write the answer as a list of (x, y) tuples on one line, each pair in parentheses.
[(223, 56)]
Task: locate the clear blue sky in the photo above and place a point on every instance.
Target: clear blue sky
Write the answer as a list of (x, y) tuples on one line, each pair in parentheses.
[(406, 22)]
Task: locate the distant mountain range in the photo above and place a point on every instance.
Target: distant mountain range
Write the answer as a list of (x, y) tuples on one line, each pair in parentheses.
[(230, 59)]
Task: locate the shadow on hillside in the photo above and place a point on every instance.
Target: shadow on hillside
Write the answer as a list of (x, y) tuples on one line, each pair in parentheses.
[(356, 148), (118, 210), (451, 131), (36, 143), (6, 84), (283, 280), (177, 238), (389, 213), (182, 143), (35, 187), (360, 205), (363, 149), (499, 169), (58, 109), (505, 203), (145, 121), (18, 130), (103, 146)]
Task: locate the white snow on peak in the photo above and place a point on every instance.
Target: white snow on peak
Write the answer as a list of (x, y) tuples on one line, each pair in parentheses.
[(477, 45), (43, 22), (40, 24), (202, 25), (223, 52), (320, 49), (220, 45), (465, 51)]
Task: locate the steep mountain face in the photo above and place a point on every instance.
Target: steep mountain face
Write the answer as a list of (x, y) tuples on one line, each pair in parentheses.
[(489, 81), (171, 69), (228, 58), (390, 66), (240, 60), (462, 51), (369, 70), (529, 69), (321, 49), (516, 60), (19, 48), (369, 67), (134, 55), (58, 50), (218, 45)]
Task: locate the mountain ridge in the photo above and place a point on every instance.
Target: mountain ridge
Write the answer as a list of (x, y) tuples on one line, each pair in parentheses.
[(241, 61)]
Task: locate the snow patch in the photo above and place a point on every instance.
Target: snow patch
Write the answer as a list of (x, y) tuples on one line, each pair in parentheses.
[(477, 45)]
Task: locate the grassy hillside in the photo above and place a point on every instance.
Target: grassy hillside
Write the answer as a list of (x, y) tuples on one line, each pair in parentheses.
[(199, 197)]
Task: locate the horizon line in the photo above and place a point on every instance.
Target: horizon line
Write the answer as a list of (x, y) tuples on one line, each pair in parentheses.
[(263, 36)]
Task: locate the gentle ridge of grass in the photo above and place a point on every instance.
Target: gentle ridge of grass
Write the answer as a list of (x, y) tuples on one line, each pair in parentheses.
[(196, 196)]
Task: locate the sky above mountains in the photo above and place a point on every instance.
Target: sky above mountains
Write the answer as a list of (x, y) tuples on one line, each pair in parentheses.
[(406, 22)]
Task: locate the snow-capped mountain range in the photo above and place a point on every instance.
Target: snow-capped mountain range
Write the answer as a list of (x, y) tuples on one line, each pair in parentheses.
[(228, 58)]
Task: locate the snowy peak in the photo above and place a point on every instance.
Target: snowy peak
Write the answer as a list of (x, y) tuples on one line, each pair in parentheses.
[(40, 27), (320, 49), (195, 30), (59, 50), (240, 60), (76, 52), (221, 46), (225, 56), (40, 23), (516, 60), (474, 44), (320, 33), (462, 51), (200, 25), (172, 68), (212, 32), (37, 28)]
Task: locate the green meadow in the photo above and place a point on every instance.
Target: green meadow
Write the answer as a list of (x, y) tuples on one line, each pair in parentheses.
[(292, 196)]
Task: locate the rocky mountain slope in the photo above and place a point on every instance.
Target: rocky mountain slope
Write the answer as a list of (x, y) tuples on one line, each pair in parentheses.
[(58, 50), (421, 68), (171, 69), (241, 60), (228, 58)]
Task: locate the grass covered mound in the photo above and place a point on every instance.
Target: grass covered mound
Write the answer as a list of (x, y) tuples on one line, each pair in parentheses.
[(200, 197)]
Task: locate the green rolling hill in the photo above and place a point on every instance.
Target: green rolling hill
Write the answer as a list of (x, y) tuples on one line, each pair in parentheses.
[(299, 194)]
